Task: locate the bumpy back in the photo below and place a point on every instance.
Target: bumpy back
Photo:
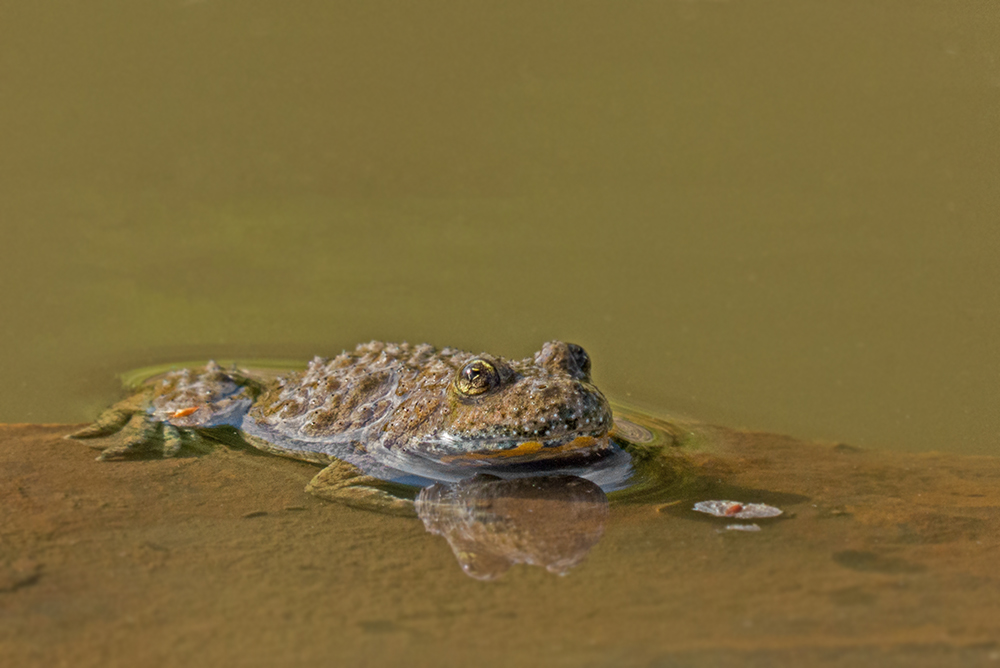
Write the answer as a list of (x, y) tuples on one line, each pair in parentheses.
[(350, 397)]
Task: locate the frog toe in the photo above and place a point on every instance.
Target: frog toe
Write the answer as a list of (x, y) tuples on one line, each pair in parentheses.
[(114, 419), (109, 422), (139, 436), (173, 441)]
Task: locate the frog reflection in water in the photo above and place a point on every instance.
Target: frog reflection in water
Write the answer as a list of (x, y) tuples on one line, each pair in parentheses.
[(491, 523)]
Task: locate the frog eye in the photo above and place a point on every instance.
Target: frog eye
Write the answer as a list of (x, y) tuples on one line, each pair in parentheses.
[(476, 377), (581, 358)]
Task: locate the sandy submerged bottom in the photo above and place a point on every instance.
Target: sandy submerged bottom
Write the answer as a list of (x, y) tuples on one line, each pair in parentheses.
[(222, 559)]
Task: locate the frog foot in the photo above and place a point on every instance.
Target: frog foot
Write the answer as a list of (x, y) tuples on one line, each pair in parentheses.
[(123, 428), (114, 419), (121, 435), (345, 483), (164, 416)]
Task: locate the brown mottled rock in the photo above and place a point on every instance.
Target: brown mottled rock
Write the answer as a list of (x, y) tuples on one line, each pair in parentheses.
[(879, 559)]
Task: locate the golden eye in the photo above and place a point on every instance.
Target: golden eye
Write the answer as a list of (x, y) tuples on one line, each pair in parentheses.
[(476, 377)]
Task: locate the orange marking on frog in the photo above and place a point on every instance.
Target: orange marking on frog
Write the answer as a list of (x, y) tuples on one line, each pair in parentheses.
[(529, 448)]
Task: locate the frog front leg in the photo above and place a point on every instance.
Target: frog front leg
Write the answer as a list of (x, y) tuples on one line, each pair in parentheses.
[(114, 419), (165, 416), (127, 428), (347, 484)]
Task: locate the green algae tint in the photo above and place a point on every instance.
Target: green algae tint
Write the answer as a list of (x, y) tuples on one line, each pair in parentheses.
[(771, 217)]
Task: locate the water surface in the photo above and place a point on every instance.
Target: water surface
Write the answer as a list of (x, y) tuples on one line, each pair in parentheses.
[(762, 215)]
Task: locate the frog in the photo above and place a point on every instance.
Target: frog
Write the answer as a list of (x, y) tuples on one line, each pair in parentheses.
[(385, 418)]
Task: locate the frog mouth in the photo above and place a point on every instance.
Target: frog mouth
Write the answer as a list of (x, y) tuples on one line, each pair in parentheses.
[(534, 450)]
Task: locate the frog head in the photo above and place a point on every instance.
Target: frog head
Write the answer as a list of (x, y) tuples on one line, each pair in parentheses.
[(502, 413)]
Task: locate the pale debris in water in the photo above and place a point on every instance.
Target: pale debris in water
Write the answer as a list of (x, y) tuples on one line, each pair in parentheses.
[(736, 509), (742, 527)]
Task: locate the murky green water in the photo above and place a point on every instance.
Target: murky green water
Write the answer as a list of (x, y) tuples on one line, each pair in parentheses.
[(780, 216), (761, 215)]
